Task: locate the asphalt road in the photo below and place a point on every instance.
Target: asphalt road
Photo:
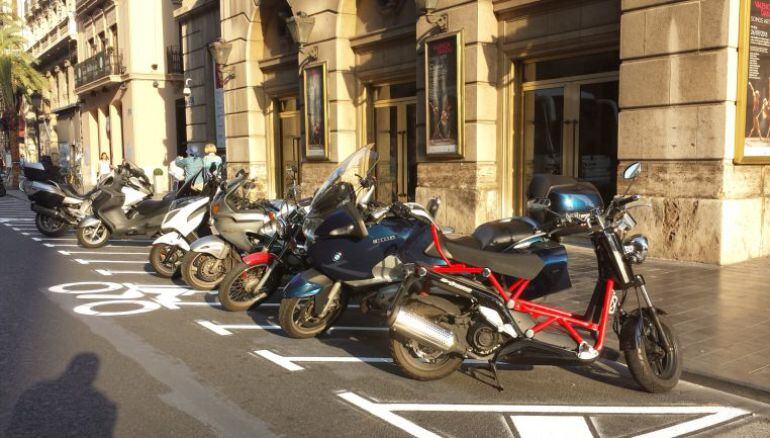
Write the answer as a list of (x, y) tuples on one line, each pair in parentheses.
[(93, 345)]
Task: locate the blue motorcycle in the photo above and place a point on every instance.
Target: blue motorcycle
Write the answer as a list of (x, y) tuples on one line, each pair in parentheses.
[(355, 248)]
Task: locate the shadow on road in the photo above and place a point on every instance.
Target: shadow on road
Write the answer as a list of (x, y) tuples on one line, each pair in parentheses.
[(67, 406)]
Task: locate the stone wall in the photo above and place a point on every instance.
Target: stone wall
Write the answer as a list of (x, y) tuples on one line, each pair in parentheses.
[(677, 95)]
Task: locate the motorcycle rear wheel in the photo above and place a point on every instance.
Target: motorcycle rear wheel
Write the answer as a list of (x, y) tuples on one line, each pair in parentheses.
[(158, 255), (197, 275), (236, 292), (653, 368), (49, 226), (407, 352), (298, 320), (93, 237)]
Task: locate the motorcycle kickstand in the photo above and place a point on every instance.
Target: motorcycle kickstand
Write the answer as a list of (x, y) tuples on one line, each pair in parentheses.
[(493, 371)]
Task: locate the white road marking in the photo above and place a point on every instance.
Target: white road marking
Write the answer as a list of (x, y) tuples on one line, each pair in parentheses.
[(74, 245), (109, 273), (551, 425), (289, 362), (709, 416), (89, 262), (63, 252), (71, 239), (225, 329)]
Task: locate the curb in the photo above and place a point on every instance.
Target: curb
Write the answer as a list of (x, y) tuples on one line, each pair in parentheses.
[(713, 381)]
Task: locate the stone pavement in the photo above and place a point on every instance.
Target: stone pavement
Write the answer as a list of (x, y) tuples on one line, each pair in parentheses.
[(721, 314)]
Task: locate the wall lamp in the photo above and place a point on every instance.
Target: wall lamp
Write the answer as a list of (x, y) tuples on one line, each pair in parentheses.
[(300, 27), (220, 52), (427, 8)]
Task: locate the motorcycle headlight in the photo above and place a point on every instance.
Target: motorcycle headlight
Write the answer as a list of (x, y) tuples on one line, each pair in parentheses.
[(635, 248)]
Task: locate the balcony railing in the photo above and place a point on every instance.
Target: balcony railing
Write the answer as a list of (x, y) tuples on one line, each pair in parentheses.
[(174, 59), (103, 64)]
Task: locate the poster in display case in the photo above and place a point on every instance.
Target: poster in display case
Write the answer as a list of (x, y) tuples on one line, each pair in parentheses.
[(316, 112), (444, 89)]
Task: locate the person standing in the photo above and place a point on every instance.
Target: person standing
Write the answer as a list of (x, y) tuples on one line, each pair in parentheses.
[(211, 157), (192, 165), (105, 166)]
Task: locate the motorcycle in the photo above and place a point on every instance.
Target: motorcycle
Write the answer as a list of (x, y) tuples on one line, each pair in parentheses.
[(121, 206), (238, 226), (185, 222), (353, 248), (480, 304), (259, 274), (57, 206)]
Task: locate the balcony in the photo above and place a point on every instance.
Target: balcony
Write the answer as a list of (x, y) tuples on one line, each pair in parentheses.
[(102, 65), (174, 60)]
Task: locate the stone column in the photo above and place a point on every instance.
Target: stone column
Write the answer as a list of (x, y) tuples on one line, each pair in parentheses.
[(677, 95), (104, 142), (116, 134), (467, 186)]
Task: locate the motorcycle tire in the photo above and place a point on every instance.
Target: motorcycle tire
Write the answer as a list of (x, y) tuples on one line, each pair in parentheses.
[(293, 314), (88, 238), (417, 368), (165, 269), (652, 374), (49, 226), (191, 263), (234, 293)]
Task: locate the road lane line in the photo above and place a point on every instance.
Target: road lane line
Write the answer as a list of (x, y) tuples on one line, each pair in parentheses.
[(388, 416), (63, 252), (109, 273), (225, 329), (290, 362)]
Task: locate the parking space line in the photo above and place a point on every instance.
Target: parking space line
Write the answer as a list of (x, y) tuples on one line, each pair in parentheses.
[(290, 362), (90, 262), (72, 239), (226, 329), (63, 252), (109, 273), (708, 416)]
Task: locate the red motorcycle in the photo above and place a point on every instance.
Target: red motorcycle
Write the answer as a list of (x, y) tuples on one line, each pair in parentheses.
[(483, 304)]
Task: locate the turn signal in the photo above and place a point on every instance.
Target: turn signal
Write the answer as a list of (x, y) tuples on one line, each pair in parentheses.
[(215, 209)]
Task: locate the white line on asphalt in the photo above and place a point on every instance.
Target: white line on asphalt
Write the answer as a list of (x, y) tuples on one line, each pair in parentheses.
[(709, 416), (38, 239), (225, 329), (73, 245), (63, 252), (352, 306), (289, 362), (109, 273), (89, 262), (551, 425)]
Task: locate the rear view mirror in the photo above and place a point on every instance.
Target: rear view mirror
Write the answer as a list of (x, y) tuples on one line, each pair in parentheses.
[(632, 171), (433, 206)]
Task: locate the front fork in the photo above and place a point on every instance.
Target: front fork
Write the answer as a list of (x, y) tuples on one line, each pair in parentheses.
[(641, 289)]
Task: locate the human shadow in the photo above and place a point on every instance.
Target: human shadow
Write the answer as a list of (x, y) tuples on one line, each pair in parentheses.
[(68, 406)]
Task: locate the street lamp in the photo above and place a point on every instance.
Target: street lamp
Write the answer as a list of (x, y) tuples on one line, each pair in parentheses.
[(36, 99), (427, 7), (220, 52), (300, 27)]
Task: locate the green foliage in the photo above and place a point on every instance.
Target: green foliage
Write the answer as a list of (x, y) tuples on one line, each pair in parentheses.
[(157, 172), (18, 76)]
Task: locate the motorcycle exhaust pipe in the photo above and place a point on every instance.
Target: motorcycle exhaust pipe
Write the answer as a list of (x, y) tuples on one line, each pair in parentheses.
[(51, 213), (425, 332)]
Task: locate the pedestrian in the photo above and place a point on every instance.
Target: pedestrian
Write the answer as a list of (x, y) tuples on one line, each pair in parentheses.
[(192, 165), (21, 160), (211, 157), (105, 166)]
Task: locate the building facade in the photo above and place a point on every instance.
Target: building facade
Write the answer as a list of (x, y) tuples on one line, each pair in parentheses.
[(52, 40), (128, 80), (203, 109)]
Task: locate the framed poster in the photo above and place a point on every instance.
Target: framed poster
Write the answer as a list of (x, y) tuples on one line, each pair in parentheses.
[(316, 111), (752, 142), (444, 89)]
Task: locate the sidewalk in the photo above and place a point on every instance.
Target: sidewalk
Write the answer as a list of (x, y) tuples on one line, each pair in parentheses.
[(721, 314), (18, 194)]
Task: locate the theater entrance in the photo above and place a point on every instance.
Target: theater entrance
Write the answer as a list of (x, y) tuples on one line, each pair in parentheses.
[(395, 120)]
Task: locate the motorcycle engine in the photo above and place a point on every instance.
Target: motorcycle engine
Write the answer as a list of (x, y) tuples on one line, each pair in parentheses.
[(483, 338)]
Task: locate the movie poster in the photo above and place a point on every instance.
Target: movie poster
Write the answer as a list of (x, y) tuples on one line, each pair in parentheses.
[(316, 134), (754, 140), (443, 95)]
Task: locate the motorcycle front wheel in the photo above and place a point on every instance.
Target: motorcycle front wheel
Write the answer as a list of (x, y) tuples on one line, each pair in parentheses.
[(238, 290), (49, 226), (418, 361), (298, 319), (165, 259), (202, 271), (653, 367), (93, 237)]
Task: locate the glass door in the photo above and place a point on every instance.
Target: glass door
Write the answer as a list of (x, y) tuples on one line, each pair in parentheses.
[(288, 147), (395, 137)]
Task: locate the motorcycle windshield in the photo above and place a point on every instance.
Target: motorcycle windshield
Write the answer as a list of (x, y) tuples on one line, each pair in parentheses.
[(331, 195)]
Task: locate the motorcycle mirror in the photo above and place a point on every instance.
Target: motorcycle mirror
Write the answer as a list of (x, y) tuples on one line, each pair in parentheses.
[(433, 206), (633, 170), (240, 173)]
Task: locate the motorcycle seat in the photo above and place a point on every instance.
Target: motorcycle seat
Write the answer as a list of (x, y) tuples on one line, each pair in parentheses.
[(500, 235), (150, 206), (467, 251)]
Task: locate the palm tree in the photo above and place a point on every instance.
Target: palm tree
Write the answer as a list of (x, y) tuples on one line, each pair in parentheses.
[(18, 76)]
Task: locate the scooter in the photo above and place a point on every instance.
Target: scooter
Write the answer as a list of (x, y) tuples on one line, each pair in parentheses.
[(185, 222), (352, 247), (479, 304), (122, 206), (238, 226), (58, 206)]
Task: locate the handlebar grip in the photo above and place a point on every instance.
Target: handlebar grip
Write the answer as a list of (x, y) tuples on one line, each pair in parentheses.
[(628, 200)]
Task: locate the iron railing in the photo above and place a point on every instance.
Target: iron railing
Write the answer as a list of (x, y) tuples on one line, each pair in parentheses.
[(174, 59), (105, 63)]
